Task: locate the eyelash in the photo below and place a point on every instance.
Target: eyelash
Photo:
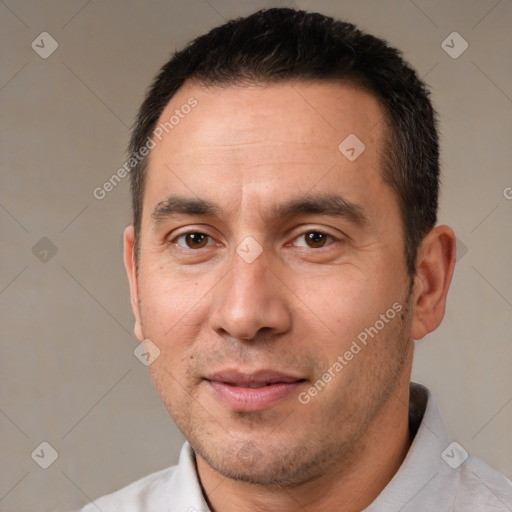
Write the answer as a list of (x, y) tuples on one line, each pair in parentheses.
[(317, 232)]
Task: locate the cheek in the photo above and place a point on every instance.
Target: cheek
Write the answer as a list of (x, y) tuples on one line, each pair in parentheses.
[(171, 307), (342, 305)]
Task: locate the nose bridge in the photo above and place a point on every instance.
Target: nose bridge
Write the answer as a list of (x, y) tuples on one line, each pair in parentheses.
[(249, 299), (247, 281)]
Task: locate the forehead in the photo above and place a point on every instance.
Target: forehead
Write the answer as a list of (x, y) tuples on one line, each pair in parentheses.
[(237, 114), (239, 141)]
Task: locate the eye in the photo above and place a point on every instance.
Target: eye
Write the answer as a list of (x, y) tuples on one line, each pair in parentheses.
[(314, 239), (192, 240)]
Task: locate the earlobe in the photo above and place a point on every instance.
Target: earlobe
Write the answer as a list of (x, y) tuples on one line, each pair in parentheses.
[(435, 264), (130, 264)]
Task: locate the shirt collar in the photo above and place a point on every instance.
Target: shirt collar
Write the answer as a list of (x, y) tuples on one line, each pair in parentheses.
[(421, 471)]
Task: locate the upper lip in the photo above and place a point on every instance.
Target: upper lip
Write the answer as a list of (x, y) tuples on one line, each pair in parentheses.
[(240, 378)]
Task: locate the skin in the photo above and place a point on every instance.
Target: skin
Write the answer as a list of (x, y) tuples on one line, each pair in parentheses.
[(295, 308)]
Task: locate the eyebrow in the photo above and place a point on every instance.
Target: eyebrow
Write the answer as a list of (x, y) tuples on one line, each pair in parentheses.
[(176, 205), (332, 205)]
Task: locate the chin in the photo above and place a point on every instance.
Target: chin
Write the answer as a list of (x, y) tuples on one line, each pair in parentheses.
[(266, 466)]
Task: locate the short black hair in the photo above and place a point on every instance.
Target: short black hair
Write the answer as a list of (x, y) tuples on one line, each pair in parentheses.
[(281, 44)]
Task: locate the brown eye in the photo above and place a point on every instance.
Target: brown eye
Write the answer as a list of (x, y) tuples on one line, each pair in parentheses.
[(192, 240), (315, 239), (196, 240), (312, 240)]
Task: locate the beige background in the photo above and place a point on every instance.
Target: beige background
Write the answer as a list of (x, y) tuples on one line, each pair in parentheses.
[(68, 373)]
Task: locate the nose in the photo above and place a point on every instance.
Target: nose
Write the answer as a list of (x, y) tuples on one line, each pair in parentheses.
[(250, 300)]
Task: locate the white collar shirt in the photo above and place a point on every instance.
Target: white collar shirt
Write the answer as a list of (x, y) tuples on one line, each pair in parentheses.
[(435, 476)]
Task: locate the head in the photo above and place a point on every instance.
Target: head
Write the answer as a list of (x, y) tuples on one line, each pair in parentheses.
[(257, 245)]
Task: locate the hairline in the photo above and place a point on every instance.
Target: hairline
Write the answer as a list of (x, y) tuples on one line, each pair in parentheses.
[(388, 139)]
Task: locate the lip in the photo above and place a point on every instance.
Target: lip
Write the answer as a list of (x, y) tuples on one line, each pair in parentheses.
[(233, 388)]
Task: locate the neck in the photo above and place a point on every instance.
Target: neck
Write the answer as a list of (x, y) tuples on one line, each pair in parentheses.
[(349, 485)]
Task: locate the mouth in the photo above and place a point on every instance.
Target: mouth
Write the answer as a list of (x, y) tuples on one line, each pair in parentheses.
[(251, 392)]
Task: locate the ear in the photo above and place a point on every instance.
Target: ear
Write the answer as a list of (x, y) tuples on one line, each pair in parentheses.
[(130, 265), (435, 263)]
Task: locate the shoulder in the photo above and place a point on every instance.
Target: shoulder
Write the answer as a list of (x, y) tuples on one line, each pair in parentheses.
[(481, 487), (142, 495), (175, 488)]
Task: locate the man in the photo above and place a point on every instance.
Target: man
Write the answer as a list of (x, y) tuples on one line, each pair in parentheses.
[(283, 257)]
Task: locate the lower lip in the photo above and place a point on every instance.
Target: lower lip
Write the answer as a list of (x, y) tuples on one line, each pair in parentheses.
[(253, 399)]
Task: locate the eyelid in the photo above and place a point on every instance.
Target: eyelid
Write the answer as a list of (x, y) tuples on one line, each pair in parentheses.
[(320, 231), (315, 228), (171, 239)]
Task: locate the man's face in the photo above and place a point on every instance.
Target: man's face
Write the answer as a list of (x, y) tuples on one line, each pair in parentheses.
[(267, 159)]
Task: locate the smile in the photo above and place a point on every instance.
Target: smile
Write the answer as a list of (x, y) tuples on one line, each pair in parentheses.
[(253, 392)]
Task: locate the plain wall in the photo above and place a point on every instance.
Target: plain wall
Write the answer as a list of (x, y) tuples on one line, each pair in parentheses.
[(68, 373)]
